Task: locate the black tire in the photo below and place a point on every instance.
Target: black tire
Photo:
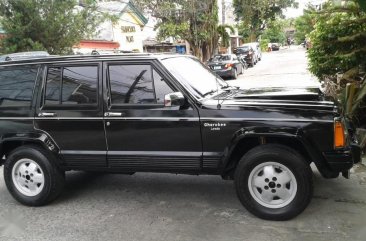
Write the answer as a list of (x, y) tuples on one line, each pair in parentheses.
[(54, 178), (288, 158), (235, 74)]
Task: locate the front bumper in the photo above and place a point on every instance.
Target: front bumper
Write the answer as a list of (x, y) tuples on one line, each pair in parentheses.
[(343, 160)]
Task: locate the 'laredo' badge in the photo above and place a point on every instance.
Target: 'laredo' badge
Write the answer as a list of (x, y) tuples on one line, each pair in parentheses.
[(214, 126)]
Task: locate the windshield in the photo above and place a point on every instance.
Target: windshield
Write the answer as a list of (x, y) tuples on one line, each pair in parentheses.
[(192, 74), (220, 58)]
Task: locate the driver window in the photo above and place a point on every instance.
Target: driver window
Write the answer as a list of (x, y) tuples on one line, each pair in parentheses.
[(131, 84), (136, 84)]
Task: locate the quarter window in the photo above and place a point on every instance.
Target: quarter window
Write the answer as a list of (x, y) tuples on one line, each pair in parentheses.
[(16, 86), (73, 85)]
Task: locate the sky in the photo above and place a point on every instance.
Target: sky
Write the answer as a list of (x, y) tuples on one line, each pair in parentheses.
[(293, 12)]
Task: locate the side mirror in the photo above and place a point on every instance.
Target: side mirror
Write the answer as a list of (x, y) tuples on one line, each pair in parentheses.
[(174, 99)]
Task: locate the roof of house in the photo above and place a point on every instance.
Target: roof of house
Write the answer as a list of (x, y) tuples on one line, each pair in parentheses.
[(119, 7)]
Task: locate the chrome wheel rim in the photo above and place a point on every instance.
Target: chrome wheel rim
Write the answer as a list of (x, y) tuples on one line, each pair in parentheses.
[(28, 177), (272, 185)]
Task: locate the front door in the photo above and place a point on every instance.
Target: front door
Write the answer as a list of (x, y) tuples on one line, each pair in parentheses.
[(142, 134), (70, 111)]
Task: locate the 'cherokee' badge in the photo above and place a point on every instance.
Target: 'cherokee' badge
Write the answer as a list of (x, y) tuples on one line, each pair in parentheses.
[(214, 126)]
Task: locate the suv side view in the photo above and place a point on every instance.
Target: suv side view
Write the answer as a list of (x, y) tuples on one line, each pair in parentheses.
[(145, 113)]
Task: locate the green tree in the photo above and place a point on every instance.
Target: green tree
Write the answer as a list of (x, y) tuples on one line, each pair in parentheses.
[(304, 24), (192, 20), (255, 14), (338, 54), (50, 25), (274, 31), (223, 34)]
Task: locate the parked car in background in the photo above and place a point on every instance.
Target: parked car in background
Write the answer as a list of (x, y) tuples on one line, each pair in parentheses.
[(275, 46), (257, 49), (23, 55), (248, 53), (226, 65)]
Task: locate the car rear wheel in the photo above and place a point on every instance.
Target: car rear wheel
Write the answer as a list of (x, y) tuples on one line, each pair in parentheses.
[(235, 74), (273, 182), (32, 176)]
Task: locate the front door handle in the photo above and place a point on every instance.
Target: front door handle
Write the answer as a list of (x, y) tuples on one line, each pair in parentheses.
[(113, 114), (47, 114)]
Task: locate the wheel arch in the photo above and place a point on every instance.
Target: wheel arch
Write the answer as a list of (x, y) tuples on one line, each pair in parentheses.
[(12, 141), (244, 141)]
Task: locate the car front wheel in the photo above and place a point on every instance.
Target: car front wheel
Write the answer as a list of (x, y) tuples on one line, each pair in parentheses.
[(32, 176), (274, 182)]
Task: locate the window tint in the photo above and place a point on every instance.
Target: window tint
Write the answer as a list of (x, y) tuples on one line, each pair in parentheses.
[(131, 84), (53, 86), (161, 87), (79, 85), (16, 85)]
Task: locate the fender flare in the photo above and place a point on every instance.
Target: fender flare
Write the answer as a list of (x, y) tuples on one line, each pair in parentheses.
[(40, 138), (261, 132)]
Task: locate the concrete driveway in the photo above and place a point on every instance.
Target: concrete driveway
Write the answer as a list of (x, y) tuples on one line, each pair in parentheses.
[(181, 207), (286, 67)]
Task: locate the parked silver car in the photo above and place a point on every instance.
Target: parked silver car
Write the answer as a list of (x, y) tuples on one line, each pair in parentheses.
[(257, 49)]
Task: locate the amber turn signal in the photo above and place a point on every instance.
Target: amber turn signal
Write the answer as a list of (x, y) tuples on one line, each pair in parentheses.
[(339, 138)]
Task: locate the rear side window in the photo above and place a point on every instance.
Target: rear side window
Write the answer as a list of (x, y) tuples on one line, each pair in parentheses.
[(71, 85), (16, 86)]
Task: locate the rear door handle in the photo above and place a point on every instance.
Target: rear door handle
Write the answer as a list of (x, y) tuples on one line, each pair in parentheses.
[(113, 114), (47, 114)]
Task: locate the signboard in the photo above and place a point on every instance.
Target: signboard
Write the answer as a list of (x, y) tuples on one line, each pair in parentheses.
[(128, 29)]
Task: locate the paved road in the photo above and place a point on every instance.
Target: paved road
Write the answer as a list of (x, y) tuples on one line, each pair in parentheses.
[(287, 67), (181, 207)]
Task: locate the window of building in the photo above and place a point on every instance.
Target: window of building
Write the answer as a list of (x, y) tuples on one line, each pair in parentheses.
[(72, 85), (16, 85)]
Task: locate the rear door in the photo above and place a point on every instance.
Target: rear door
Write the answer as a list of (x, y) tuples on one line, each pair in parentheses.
[(16, 99), (70, 111), (141, 133)]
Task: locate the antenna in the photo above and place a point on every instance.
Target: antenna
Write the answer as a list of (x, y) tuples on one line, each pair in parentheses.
[(217, 91)]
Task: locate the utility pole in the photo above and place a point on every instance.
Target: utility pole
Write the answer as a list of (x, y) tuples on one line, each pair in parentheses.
[(223, 11)]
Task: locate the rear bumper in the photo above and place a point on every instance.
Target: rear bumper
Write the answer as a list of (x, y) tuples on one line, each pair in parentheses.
[(343, 160), (224, 73)]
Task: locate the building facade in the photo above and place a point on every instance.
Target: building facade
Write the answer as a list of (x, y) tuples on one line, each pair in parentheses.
[(124, 34)]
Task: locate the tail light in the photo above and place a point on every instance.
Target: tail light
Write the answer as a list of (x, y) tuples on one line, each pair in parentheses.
[(339, 134), (228, 66)]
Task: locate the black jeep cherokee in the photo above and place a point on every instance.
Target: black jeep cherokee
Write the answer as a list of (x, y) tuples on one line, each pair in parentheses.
[(146, 113)]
